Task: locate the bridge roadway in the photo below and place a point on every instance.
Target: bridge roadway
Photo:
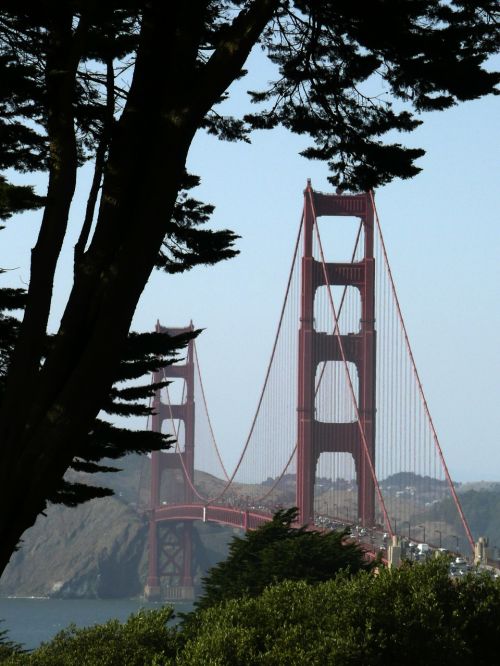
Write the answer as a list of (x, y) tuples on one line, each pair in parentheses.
[(248, 519), (245, 519), (372, 541)]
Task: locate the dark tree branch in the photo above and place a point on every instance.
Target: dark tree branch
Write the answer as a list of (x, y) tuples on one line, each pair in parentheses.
[(226, 62), (100, 160), (63, 54)]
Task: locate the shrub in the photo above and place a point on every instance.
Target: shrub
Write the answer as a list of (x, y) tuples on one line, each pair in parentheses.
[(275, 552), (413, 616), (143, 640)]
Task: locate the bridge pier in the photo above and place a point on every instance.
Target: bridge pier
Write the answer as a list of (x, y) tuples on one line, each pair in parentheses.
[(152, 590), (394, 553)]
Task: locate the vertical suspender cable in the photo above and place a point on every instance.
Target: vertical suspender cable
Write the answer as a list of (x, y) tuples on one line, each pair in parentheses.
[(419, 384)]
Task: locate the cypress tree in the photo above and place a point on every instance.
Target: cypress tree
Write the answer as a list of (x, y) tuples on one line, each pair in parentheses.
[(125, 86)]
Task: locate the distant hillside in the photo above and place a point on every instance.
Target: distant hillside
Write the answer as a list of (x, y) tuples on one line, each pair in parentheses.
[(94, 550), (99, 549), (493, 486), (481, 509)]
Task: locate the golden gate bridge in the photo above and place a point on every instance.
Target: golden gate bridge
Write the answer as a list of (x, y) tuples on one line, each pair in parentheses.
[(342, 429)]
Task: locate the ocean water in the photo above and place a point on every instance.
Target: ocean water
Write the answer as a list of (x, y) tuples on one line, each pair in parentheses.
[(32, 621)]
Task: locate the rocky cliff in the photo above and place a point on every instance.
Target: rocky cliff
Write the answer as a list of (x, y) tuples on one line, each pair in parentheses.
[(99, 549), (94, 550)]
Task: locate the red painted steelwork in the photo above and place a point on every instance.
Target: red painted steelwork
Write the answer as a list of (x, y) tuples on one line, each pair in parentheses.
[(224, 515), (315, 437), (175, 561)]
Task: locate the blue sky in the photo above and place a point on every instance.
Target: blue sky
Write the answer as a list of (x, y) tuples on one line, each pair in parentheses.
[(442, 235)]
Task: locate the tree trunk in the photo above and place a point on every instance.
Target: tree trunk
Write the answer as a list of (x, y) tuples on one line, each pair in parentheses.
[(146, 164)]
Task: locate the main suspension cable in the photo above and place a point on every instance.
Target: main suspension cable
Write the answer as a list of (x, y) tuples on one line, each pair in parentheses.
[(212, 434), (268, 372)]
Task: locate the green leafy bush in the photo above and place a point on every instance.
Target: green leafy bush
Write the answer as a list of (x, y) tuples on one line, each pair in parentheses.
[(143, 640), (8, 647), (413, 616), (275, 552)]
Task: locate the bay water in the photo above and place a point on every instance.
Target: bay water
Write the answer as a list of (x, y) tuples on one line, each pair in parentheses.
[(31, 621)]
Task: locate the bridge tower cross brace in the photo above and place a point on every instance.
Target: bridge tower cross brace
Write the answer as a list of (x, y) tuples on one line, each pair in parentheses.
[(316, 437), (170, 551)]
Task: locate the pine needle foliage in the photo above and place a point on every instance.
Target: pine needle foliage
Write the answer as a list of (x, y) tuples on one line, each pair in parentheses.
[(278, 551)]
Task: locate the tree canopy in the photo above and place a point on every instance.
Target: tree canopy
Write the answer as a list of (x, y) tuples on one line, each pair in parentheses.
[(144, 639), (279, 551), (126, 86), (415, 615)]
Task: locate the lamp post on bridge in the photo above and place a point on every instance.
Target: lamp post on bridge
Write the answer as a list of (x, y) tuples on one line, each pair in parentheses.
[(346, 507), (454, 536), (407, 522), (423, 527), (440, 537)]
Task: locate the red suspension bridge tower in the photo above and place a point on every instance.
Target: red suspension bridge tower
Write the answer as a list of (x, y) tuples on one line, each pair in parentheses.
[(299, 416), (170, 544), (357, 437)]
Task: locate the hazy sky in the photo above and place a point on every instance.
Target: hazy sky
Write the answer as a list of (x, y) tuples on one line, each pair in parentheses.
[(443, 239)]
